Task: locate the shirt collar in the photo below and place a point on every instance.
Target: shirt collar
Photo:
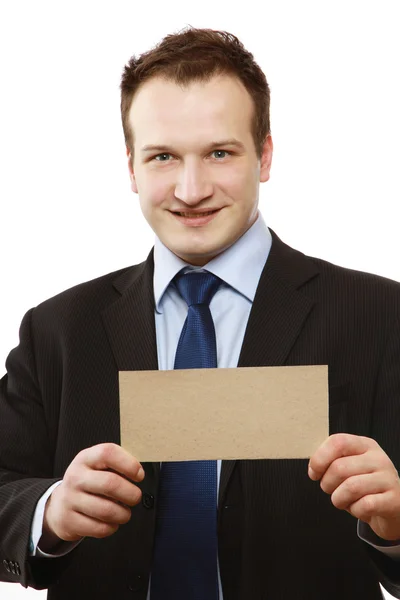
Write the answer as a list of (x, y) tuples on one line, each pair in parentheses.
[(240, 266)]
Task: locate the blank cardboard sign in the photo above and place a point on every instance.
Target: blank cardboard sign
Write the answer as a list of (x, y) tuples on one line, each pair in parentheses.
[(240, 413)]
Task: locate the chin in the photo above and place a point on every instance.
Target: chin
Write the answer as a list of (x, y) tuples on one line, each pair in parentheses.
[(200, 258), (198, 250)]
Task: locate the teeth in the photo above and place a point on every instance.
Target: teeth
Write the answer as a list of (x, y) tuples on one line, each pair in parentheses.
[(195, 215)]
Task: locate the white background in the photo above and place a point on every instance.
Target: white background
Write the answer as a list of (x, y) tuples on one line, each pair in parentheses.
[(67, 212)]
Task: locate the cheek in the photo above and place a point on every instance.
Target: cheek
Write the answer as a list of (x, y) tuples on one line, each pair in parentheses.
[(238, 177), (152, 194), (240, 186)]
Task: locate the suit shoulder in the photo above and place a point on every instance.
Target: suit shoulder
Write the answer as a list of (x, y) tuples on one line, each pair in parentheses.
[(89, 295), (360, 285), (301, 270)]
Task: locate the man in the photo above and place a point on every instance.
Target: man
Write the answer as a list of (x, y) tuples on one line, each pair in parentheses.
[(81, 516)]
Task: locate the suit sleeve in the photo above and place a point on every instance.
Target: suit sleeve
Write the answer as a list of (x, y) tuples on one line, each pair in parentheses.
[(25, 466), (386, 431)]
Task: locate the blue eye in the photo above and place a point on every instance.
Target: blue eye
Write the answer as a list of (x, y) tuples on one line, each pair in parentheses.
[(223, 151), (163, 154)]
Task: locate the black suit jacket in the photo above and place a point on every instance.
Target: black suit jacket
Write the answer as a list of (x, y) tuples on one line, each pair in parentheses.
[(279, 535)]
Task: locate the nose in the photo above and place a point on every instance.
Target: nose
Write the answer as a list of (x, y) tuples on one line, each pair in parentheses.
[(193, 183)]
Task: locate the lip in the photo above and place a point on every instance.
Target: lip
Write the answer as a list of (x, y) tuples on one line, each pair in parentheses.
[(196, 221)]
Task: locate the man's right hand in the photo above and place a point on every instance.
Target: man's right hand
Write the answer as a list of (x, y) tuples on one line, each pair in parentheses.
[(95, 496)]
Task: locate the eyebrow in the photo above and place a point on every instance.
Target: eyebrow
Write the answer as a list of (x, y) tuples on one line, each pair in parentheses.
[(163, 148)]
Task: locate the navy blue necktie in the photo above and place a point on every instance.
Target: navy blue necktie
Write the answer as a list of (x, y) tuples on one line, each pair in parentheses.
[(185, 551)]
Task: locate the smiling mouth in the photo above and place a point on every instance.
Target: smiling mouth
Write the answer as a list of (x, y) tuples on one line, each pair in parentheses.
[(190, 215), (195, 219)]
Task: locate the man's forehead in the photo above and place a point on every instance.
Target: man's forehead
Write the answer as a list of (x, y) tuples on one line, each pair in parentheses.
[(216, 110), (164, 98)]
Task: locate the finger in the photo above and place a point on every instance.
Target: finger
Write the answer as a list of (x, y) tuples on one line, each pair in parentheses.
[(112, 456), (111, 485), (83, 526), (334, 447), (355, 488), (349, 466), (101, 509), (372, 505)]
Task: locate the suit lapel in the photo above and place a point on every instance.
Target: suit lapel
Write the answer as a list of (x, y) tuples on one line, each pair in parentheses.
[(277, 316), (130, 323)]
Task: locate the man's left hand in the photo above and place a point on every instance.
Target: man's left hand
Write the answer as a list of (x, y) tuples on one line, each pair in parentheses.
[(361, 479)]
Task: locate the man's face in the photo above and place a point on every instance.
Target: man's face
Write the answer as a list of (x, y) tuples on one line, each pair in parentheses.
[(194, 166)]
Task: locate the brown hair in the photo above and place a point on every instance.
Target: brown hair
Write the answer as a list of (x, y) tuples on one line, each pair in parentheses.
[(198, 55)]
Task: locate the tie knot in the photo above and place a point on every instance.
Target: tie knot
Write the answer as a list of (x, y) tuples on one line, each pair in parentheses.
[(197, 287)]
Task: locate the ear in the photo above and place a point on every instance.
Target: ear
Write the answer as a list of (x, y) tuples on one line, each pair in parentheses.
[(131, 171), (266, 159)]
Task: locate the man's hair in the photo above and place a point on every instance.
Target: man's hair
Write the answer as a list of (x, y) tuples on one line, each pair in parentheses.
[(198, 55)]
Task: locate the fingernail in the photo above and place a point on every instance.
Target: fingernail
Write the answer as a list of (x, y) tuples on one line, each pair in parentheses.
[(141, 473)]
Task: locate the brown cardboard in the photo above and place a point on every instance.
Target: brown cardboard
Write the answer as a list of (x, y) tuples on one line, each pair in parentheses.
[(240, 413)]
